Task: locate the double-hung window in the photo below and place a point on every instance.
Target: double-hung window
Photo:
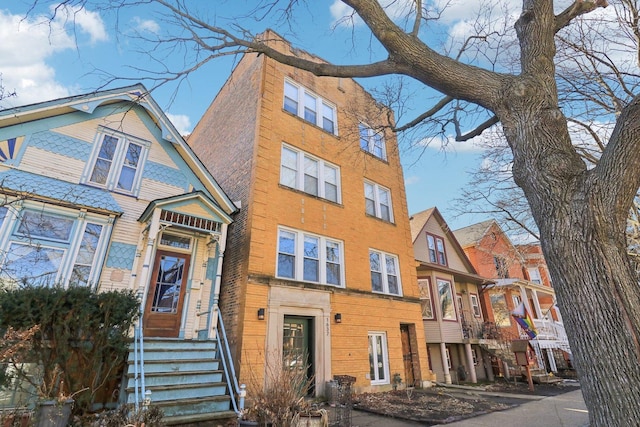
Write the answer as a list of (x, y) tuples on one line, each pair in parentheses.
[(117, 162), (378, 358), (447, 307), (309, 106), (385, 276), (310, 258), (475, 305), (372, 141), (307, 173), (425, 298), (50, 248), (436, 250), (377, 201)]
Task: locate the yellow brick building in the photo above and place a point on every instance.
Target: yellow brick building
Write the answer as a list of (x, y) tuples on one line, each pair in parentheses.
[(319, 269)]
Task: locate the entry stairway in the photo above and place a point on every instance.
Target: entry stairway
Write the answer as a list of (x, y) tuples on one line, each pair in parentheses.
[(185, 378)]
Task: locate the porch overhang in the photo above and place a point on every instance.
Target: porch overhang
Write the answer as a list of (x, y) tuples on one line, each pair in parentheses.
[(194, 211)]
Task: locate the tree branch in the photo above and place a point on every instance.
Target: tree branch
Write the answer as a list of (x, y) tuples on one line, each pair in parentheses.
[(579, 7)]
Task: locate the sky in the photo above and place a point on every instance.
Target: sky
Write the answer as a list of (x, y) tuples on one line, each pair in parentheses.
[(72, 54)]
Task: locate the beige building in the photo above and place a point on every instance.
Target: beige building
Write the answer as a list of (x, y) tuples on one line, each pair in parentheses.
[(320, 271)]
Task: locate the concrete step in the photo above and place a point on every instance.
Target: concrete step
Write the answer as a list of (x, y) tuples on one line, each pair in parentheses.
[(195, 407)]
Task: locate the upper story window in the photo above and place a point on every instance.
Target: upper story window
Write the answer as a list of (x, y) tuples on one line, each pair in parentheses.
[(436, 249), (309, 106), (117, 161), (385, 276), (475, 304), (310, 258), (502, 268), (306, 173), (425, 298), (50, 248), (446, 300), (372, 141), (534, 275), (378, 201)]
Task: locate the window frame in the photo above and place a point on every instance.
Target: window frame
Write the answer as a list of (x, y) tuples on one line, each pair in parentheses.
[(429, 298), (453, 310), (118, 161), (437, 256), (10, 234), (322, 177), (369, 138), (298, 256), (373, 358), (377, 204), (474, 301), (536, 277), (384, 257), (320, 107)]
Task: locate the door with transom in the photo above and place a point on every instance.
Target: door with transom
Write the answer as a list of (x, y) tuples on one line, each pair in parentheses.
[(165, 300)]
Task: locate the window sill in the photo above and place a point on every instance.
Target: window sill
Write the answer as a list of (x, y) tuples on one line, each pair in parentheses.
[(310, 123)]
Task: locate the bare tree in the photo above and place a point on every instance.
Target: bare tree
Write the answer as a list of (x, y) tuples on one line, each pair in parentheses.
[(580, 207)]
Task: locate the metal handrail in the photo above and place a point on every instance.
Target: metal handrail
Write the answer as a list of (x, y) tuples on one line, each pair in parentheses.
[(235, 390)]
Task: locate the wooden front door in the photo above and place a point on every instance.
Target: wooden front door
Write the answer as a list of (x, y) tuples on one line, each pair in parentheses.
[(163, 312), (407, 355)]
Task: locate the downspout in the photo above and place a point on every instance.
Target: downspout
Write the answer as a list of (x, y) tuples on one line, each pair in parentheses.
[(212, 319)]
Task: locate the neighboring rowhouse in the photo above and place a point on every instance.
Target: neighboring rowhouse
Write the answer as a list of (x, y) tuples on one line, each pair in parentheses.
[(521, 282), (101, 190), (321, 273), (450, 293)]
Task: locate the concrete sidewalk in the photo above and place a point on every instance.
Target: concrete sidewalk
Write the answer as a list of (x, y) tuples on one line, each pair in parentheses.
[(564, 410)]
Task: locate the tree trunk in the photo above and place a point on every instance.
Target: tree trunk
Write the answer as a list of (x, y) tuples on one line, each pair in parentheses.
[(582, 227)]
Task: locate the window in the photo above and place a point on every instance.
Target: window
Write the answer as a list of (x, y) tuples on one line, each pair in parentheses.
[(534, 275), (310, 258), (502, 269), (117, 162), (378, 358), (475, 304), (49, 248), (306, 173), (474, 356), (372, 141), (446, 300), (384, 273), (501, 314), (425, 298), (435, 246), (309, 106), (377, 201)]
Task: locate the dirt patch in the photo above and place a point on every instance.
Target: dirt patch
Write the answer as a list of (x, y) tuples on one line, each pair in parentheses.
[(441, 405)]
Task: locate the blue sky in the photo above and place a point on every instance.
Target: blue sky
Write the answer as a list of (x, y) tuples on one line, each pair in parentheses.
[(44, 60)]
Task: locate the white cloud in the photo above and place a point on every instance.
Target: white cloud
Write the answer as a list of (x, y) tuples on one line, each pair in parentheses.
[(89, 22), (414, 179), (28, 43), (449, 144), (146, 25), (181, 122)]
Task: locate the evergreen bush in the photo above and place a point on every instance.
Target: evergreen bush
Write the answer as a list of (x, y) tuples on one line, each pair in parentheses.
[(80, 346)]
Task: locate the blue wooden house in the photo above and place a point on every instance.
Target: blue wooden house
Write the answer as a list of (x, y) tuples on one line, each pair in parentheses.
[(101, 190)]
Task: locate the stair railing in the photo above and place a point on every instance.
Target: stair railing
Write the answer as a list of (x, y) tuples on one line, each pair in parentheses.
[(138, 364), (237, 392)]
